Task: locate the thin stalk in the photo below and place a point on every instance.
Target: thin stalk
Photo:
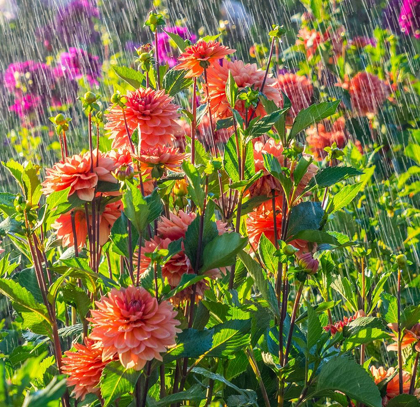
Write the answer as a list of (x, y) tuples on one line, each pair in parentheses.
[(97, 144), (194, 121), (130, 252), (254, 366), (162, 381), (400, 361), (292, 321), (209, 393), (138, 263), (90, 140), (414, 373), (66, 150), (213, 144), (73, 227), (108, 260), (146, 383), (127, 130), (157, 59), (238, 222)]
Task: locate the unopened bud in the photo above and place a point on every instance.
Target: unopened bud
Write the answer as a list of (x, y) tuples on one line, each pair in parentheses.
[(401, 261), (60, 120), (90, 97), (298, 147), (307, 263), (125, 172), (181, 188), (289, 250)]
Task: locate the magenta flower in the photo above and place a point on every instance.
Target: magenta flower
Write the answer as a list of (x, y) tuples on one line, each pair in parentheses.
[(26, 105), (78, 63), (410, 18)]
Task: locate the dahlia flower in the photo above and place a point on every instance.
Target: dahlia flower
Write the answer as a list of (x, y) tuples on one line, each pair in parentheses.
[(75, 172), (64, 228), (245, 75), (77, 63), (410, 336), (84, 368), (167, 53), (130, 323), (307, 262), (196, 58), (367, 93), (392, 387), (267, 183), (325, 135), (298, 89), (261, 221), (161, 157), (338, 326), (26, 105), (410, 18), (310, 39), (151, 110)]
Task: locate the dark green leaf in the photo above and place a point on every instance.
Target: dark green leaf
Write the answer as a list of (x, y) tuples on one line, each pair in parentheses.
[(175, 81), (304, 216), (331, 175)]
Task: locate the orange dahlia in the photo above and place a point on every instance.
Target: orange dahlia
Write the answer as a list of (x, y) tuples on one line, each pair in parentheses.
[(392, 387), (84, 368), (325, 135), (310, 39), (338, 326), (410, 336), (75, 172), (130, 323), (298, 89), (162, 158), (367, 93), (151, 110), (200, 56), (107, 218), (245, 75), (261, 221)]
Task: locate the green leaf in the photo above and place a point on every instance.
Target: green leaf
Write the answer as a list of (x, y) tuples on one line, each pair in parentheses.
[(312, 115), (224, 123), (7, 203), (191, 343), (413, 151), (273, 166), (279, 125), (261, 281), (265, 124), (154, 204), (41, 398), (178, 40), (306, 215), (314, 327), (344, 197), (317, 236), (229, 338), (195, 392), (361, 331), (119, 236), (58, 197), (131, 76), (135, 207), (342, 285), (194, 184), (390, 308), (230, 160), (246, 183), (300, 170), (378, 290), (404, 400), (22, 299), (187, 280), (231, 90), (32, 184), (345, 375), (410, 316), (266, 250), (116, 380), (175, 81), (10, 225), (331, 175), (16, 169), (222, 250)]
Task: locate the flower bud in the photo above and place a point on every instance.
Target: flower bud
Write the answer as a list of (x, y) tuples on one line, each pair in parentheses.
[(298, 147), (116, 98), (90, 97), (60, 120), (289, 250), (308, 263), (181, 188), (125, 172), (401, 261)]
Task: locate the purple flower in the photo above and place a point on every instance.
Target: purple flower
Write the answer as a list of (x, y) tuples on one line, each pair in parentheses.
[(391, 14), (131, 46), (26, 105), (166, 53), (28, 77), (410, 18), (73, 23), (78, 63)]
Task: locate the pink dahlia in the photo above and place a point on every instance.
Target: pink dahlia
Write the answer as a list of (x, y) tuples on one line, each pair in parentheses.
[(75, 172), (367, 93), (151, 110), (196, 58), (84, 368), (130, 323), (298, 89), (245, 75)]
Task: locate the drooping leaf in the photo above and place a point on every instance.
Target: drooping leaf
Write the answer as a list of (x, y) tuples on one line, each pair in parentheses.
[(195, 392), (331, 175)]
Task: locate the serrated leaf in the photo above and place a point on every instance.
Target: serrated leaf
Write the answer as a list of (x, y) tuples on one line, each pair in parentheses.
[(304, 216), (194, 184), (175, 81), (131, 76), (266, 250), (135, 207), (314, 327), (331, 175)]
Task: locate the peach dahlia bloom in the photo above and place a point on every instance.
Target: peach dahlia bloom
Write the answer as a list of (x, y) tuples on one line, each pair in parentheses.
[(150, 109), (367, 93), (245, 75), (410, 337), (392, 387), (298, 89), (107, 218), (196, 58), (75, 172), (338, 326), (162, 157), (84, 368), (311, 39), (325, 135), (130, 323)]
